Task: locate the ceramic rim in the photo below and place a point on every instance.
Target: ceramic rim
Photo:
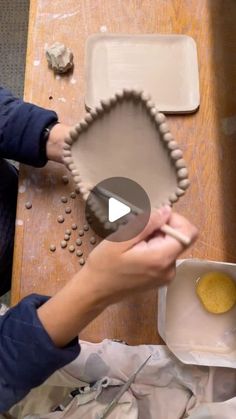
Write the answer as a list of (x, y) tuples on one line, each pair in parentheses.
[(175, 153)]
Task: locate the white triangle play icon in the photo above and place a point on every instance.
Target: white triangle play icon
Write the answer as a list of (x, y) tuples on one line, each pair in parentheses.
[(116, 209)]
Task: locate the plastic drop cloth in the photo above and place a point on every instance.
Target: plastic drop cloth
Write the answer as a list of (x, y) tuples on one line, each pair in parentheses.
[(164, 389)]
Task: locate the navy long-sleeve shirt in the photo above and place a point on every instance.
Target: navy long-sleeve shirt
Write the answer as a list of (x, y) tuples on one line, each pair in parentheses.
[(27, 354)]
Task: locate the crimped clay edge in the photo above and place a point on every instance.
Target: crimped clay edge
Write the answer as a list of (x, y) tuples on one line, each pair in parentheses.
[(175, 155)]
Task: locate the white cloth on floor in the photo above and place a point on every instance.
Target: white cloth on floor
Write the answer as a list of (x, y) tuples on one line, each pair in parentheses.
[(164, 389)]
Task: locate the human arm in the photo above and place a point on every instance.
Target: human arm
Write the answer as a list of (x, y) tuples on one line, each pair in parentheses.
[(36, 338), (22, 127), (112, 272), (28, 356)]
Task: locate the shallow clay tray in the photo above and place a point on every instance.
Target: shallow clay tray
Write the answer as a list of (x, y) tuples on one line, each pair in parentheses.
[(165, 66), (126, 136)]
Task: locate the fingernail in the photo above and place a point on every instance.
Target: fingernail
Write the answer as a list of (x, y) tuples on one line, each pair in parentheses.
[(165, 210), (168, 208)]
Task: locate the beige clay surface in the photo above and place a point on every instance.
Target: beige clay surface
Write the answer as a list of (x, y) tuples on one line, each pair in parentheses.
[(125, 141), (165, 66)]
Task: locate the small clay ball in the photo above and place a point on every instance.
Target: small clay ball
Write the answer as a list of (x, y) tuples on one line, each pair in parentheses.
[(73, 195), (153, 111), (184, 183), (77, 190), (79, 253), (167, 137), (88, 117), (172, 145), (92, 240), (63, 244), (83, 124), (68, 210), (78, 242), (163, 128), (179, 192), (145, 96), (81, 233), (68, 232), (28, 205), (180, 163), (64, 199), (182, 173), (105, 103), (74, 226), (60, 219), (52, 247), (73, 134), (67, 237), (173, 197), (86, 227), (176, 154), (160, 118), (71, 248), (65, 179), (150, 104), (82, 261)]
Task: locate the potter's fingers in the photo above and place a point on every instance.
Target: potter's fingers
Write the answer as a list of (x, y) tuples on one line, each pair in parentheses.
[(170, 247), (162, 250), (156, 220)]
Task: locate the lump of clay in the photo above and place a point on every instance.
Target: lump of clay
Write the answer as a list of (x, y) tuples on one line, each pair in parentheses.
[(59, 57)]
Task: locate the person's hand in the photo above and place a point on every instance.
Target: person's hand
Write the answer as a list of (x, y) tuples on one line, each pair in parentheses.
[(112, 272), (56, 141), (115, 270)]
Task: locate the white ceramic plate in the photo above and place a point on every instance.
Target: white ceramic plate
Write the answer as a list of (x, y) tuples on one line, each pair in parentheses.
[(192, 334), (164, 66)]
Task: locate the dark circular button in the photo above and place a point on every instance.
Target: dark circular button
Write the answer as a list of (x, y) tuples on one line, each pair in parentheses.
[(117, 209)]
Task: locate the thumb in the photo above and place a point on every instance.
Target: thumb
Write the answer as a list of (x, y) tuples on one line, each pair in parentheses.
[(157, 219)]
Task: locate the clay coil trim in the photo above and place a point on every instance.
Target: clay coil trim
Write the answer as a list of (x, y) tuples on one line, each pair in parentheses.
[(175, 153)]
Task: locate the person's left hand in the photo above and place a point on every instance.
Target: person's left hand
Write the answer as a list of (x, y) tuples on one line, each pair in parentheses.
[(56, 140)]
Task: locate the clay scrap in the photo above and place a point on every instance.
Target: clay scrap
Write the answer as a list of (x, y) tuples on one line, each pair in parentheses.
[(59, 58), (28, 205)]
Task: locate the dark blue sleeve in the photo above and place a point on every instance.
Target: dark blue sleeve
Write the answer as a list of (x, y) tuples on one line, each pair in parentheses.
[(28, 356), (21, 130)]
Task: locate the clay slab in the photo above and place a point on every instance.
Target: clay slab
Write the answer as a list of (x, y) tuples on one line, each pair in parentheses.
[(192, 334), (165, 66), (126, 136)]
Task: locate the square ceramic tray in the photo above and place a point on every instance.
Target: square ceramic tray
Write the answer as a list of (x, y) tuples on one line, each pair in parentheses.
[(165, 66), (191, 333)]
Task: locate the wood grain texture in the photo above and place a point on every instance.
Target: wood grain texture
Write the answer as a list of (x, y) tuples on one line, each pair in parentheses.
[(207, 138)]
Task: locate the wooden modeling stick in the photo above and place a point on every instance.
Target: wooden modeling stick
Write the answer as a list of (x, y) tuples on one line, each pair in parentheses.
[(182, 238)]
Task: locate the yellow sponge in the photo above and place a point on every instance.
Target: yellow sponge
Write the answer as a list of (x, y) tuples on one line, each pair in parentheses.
[(217, 292)]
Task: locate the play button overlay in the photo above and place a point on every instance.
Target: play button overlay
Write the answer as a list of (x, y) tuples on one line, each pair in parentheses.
[(117, 209)]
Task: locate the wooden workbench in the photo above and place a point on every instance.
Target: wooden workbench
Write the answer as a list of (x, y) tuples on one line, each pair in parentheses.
[(208, 139)]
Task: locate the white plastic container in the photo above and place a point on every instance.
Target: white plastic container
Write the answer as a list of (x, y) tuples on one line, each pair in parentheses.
[(191, 333)]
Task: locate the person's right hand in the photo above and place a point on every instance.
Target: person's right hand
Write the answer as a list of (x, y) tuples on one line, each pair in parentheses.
[(112, 272), (117, 269)]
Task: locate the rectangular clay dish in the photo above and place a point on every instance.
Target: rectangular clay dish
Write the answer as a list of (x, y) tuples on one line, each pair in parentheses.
[(165, 66), (191, 333)]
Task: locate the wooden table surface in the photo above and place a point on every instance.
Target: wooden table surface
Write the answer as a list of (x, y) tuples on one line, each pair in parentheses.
[(207, 137)]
